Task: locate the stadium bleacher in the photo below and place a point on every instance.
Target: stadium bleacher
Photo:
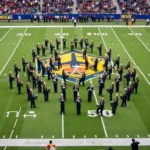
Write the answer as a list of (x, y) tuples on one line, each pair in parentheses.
[(134, 6)]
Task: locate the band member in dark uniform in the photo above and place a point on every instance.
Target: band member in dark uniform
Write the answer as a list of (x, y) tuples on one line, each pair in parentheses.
[(78, 105), (62, 105), (45, 92), (128, 65), (16, 69), (63, 89), (114, 106), (91, 46), (56, 54), (128, 76), (38, 49), (46, 42), (43, 50), (75, 42), (33, 55), (55, 81), (64, 42), (43, 68), (100, 107), (57, 44), (133, 74), (117, 62), (109, 72), (82, 79), (109, 54), (34, 79), (117, 80), (28, 91), (101, 86), (129, 92), (90, 91), (84, 53), (19, 84), (11, 78), (51, 47), (75, 93), (39, 63), (39, 84), (86, 63), (81, 43), (24, 63), (136, 84), (59, 62), (96, 63), (100, 49), (110, 90), (120, 71), (64, 76), (86, 42), (49, 74), (72, 45), (106, 62), (51, 63), (32, 97), (28, 72), (124, 99)]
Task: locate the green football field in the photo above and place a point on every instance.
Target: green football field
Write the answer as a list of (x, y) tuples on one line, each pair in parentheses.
[(131, 43)]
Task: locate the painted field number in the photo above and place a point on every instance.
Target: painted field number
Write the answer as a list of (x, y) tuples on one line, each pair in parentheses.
[(20, 34), (137, 34), (106, 113), (97, 34)]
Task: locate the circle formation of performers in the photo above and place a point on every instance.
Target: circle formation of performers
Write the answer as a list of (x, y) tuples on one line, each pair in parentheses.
[(131, 77)]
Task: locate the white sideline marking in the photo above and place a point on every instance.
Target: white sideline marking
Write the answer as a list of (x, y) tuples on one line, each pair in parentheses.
[(5, 34), (13, 52), (139, 39), (106, 135), (130, 56), (79, 26), (8, 140), (75, 142), (62, 125)]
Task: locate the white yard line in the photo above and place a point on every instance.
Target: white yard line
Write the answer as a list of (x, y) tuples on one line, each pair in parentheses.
[(63, 126), (8, 140), (103, 124), (139, 39), (130, 56), (13, 52), (61, 40), (75, 142), (5, 34), (79, 26)]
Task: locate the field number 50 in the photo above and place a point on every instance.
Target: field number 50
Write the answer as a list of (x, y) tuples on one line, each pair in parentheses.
[(106, 113)]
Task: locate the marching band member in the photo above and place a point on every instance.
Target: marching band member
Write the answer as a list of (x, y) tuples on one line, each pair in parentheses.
[(11, 78), (82, 79), (78, 105), (76, 90), (63, 89), (90, 89), (55, 81), (62, 104)]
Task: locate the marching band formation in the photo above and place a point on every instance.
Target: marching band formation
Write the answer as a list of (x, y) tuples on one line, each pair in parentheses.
[(130, 76)]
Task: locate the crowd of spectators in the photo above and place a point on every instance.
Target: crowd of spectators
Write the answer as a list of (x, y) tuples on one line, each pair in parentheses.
[(95, 6), (134, 6), (57, 6), (19, 6)]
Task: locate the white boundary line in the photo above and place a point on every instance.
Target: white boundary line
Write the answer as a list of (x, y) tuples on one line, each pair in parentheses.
[(13, 52), (79, 26), (75, 142), (103, 124), (130, 56), (139, 39), (8, 140), (63, 126), (5, 34)]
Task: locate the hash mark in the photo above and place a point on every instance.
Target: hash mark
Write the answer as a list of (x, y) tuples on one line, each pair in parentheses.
[(138, 136)]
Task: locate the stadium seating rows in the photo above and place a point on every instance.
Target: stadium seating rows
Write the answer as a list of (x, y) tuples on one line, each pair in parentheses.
[(65, 6)]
